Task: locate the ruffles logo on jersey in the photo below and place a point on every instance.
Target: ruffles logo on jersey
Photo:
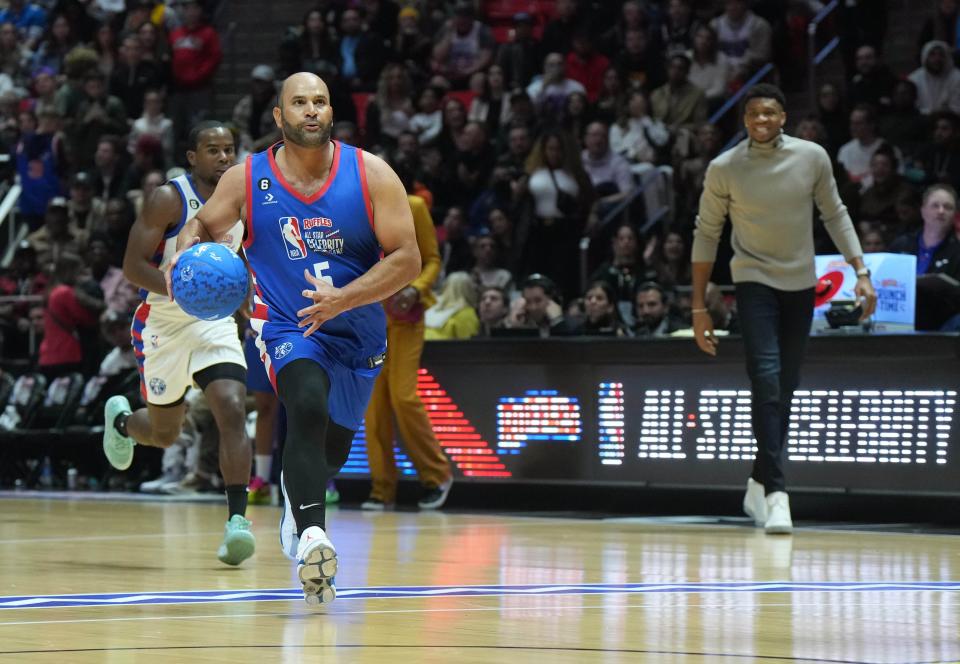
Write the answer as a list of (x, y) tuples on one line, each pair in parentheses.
[(316, 235)]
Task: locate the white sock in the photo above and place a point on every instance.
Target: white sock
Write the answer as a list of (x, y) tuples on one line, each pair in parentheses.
[(263, 462)]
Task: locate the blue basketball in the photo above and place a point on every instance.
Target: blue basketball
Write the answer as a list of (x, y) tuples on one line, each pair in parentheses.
[(209, 281)]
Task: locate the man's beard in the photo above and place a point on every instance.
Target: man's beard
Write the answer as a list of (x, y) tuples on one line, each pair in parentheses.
[(298, 136)]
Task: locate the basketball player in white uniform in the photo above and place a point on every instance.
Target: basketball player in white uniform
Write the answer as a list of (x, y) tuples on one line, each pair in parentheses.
[(175, 350)]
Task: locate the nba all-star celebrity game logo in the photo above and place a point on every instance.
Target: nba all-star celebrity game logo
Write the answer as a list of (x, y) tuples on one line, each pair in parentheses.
[(314, 234)]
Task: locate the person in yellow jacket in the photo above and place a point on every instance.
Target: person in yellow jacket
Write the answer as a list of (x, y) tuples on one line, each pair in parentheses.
[(454, 316), (395, 390)]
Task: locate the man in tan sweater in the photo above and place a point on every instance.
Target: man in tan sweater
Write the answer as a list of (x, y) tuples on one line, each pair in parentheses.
[(767, 185)]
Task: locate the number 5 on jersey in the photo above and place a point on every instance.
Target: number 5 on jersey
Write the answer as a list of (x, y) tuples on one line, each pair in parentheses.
[(318, 269)]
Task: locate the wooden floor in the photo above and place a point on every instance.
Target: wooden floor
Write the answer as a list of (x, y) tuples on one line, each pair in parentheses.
[(437, 588)]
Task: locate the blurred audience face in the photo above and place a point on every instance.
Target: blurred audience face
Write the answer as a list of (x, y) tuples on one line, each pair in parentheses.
[(708, 136), (148, 36), (27, 122), (474, 137), (938, 211), (350, 22), (8, 36), (936, 61), (651, 309), (678, 70), (861, 127), (595, 140), (131, 51), (478, 83), (829, 98), (704, 41), (44, 84), (866, 59), (735, 9), (493, 307), (495, 80), (106, 156), (809, 130), (882, 169), (98, 256), (535, 304), (637, 105), (454, 115), (597, 305), (346, 132), (151, 181), (553, 152), (625, 245), (408, 147), (611, 83), (577, 105), (192, 13), (95, 88), (116, 330), (428, 101), (872, 242), (679, 12), (635, 42), (553, 68), (56, 220), (673, 247), (566, 9), (152, 104), (519, 142), (904, 96), (500, 224), (314, 22), (60, 30), (454, 224), (943, 131), (485, 252), (116, 218)]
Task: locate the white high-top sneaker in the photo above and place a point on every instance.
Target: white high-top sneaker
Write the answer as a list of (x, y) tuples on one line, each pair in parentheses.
[(778, 514), (289, 542), (317, 566), (754, 502)]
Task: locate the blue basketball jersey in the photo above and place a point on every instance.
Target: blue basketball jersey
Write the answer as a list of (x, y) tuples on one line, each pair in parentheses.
[(329, 234)]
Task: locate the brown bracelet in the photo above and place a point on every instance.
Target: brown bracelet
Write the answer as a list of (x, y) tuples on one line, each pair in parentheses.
[(699, 311)]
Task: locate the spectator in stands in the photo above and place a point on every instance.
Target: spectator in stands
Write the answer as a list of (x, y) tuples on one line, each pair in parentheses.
[(602, 317), (454, 122), (856, 154), (539, 307), (427, 123), (942, 26), (872, 240), (491, 103), (40, 165), (304, 48), (109, 176), (679, 104), (29, 19), (454, 316), (455, 252), (156, 48), (361, 55), (117, 220), (436, 177), (486, 264), (14, 55), (412, 47), (625, 269), (833, 115), (744, 38), (937, 80), (608, 171), (710, 69), (493, 308), (464, 46), (636, 135), (347, 132), (884, 187), (520, 58), (147, 157), (502, 231), (148, 185), (133, 76), (611, 98), (903, 124), (195, 57), (70, 94), (119, 295), (938, 252), (98, 115), (44, 92), (577, 114), (23, 278), (678, 30), (584, 64), (253, 114), (72, 309), (652, 309), (561, 193), (559, 30), (690, 172), (84, 211), (640, 64), (56, 43), (389, 112), (668, 259), (939, 160), (105, 44), (632, 17), (154, 123), (55, 238), (473, 165), (873, 81), (549, 91), (381, 17), (115, 329), (522, 114)]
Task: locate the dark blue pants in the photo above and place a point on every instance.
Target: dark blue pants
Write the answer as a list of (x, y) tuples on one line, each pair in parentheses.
[(775, 325)]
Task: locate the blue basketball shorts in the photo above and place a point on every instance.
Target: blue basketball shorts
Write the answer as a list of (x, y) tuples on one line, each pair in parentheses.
[(257, 379)]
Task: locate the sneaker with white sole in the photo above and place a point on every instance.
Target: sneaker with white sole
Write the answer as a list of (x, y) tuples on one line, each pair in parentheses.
[(317, 566), (778, 514), (117, 447), (238, 542), (157, 485), (434, 498), (755, 502), (289, 542), (375, 505)]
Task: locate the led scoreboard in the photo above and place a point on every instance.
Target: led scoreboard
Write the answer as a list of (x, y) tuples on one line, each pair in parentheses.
[(873, 414)]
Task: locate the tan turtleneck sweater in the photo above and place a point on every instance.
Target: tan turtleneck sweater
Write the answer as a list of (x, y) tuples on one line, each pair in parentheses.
[(768, 191)]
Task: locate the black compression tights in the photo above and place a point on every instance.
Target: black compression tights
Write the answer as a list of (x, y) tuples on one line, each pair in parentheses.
[(315, 448)]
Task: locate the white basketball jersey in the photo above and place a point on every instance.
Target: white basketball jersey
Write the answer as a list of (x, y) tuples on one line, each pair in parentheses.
[(192, 203)]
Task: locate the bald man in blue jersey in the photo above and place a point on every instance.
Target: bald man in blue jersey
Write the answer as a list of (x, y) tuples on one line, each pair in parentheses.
[(329, 234)]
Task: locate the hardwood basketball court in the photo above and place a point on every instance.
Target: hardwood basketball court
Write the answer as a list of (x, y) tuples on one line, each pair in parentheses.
[(137, 581)]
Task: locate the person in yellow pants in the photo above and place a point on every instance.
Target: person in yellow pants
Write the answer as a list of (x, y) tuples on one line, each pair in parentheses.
[(395, 391)]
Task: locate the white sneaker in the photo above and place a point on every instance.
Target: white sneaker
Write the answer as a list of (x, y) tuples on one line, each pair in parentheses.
[(754, 502), (778, 514), (434, 498), (374, 505), (289, 542), (317, 566), (157, 485)]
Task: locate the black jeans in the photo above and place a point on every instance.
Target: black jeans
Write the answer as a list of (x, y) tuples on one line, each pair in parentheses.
[(775, 325)]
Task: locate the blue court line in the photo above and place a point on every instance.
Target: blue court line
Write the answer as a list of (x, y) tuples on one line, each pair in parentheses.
[(381, 592)]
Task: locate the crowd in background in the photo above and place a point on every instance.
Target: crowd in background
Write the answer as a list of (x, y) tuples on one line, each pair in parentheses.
[(528, 141)]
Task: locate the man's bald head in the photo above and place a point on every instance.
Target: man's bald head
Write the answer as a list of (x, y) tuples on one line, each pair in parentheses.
[(303, 113), (301, 82)]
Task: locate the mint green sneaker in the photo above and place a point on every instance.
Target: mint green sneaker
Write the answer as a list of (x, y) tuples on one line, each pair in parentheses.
[(238, 542), (333, 496), (117, 447)]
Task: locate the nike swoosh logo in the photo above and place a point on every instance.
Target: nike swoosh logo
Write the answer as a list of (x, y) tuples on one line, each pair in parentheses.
[(303, 507)]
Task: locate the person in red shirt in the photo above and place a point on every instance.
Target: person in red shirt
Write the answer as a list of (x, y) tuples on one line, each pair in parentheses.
[(71, 307), (195, 57), (585, 65), (23, 279)]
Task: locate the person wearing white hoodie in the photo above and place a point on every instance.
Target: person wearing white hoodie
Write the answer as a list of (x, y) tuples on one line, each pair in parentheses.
[(937, 81)]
